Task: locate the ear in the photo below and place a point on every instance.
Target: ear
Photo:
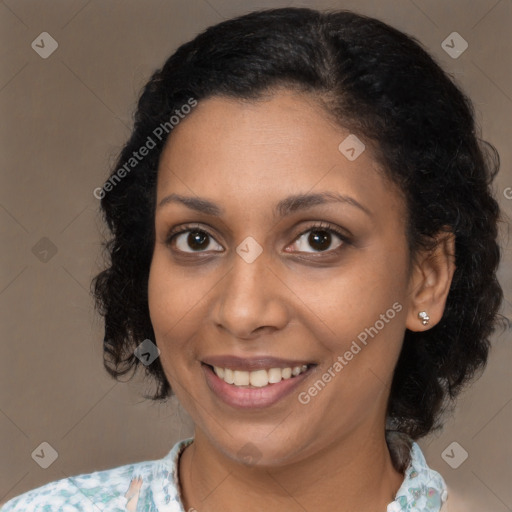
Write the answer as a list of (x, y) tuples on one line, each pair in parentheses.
[(430, 281)]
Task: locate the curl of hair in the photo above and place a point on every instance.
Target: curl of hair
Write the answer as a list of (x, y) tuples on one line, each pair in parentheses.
[(381, 85)]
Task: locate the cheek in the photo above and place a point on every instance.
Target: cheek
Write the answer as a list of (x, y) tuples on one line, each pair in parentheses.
[(360, 317), (354, 299), (361, 335), (160, 301), (173, 301), (173, 295)]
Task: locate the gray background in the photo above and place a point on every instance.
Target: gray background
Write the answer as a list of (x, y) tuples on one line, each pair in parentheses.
[(63, 120)]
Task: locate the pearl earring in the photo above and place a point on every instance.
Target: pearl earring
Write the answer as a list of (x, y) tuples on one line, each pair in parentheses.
[(423, 316)]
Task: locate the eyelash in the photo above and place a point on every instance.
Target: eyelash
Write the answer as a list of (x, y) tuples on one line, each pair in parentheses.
[(320, 226)]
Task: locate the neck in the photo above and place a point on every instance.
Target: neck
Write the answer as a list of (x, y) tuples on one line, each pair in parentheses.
[(354, 473)]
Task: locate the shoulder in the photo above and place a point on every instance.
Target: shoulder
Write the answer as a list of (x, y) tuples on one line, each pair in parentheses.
[(91, 492), (422, 488), (149, 486)]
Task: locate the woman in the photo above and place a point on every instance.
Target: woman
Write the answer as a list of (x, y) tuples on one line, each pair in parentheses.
[(302, 223)]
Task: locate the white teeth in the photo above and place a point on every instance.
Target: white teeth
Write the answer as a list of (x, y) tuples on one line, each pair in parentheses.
[(257, 378), (228, 376), (241, 378), (274, 375)]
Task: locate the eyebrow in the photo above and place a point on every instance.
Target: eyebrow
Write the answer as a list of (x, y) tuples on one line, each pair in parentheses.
[(284, 207)]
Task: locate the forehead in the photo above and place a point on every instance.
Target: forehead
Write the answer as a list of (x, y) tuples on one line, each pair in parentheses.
[(255, 152)]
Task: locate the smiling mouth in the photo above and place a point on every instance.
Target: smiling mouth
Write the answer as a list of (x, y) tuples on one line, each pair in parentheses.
[(258, 378)]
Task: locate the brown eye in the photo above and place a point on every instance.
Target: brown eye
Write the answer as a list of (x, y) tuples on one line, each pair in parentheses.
[(197, 240), (319, 239), (193, 240)]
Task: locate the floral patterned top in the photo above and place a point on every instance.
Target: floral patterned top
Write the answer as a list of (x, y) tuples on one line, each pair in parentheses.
[(153, 486)]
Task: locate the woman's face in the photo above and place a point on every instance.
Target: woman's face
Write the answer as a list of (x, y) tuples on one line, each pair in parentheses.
[(255, 270)]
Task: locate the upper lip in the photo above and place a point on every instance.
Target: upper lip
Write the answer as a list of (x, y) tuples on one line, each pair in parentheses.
[(252, 363)]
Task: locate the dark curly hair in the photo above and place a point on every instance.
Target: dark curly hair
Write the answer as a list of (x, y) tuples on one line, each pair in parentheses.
[(380, 84)]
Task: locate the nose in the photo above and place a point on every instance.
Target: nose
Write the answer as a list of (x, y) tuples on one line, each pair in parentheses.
[(251, 300)]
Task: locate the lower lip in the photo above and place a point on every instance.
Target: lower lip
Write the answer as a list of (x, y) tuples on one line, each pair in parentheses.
[(251, 398)]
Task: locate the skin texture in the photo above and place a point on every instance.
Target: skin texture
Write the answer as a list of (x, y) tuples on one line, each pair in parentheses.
[(294, 301)]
